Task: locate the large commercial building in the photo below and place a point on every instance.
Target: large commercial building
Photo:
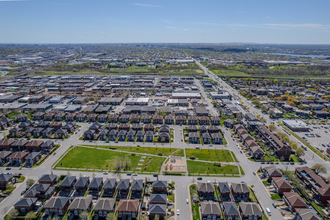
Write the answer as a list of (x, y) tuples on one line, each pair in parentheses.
[(186, 95), (296, 125)]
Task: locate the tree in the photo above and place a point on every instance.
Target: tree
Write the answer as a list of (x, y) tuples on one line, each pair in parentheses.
[(30, 216), (294, 146), (214, 103), (319, 168), (263, 120), (300, 152), (285, 139), (13, 214), (271, 127), (84, 215), (30, 182), (111, 216), (156, 217), (271, 111), (263, 107), (9, 186)]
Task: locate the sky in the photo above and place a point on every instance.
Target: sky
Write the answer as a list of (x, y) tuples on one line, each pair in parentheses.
[(160, 21)]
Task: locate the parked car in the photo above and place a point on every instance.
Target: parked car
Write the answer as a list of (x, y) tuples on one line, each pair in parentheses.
[(199, 178)]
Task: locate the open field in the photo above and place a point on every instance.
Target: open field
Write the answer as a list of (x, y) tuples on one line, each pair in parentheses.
[(210, 155), (144, 150), (209, 168), (235, 73), (88, 158)]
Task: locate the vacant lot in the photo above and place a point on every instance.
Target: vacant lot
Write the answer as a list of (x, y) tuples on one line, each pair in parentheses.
[(87, 158), (210, 155), (144, 150), (209, 168)]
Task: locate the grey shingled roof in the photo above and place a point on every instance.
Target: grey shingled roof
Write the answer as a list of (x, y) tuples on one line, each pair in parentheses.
[(230, 208), (240, 187), (82, 181), (26, 202), (56, 202), (205, 187), (68, 181), (109, 183), (105, 204), (81, 203), (159, 183), (224, 187), (123, 184), (5, 177), (137, 184), (210, 208), (250, 208), (96, 182), (158, 198), (157, 209), (47, 177)]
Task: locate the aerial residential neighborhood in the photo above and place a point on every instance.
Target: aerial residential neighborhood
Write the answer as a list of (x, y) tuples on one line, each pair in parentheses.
[(162, 131)]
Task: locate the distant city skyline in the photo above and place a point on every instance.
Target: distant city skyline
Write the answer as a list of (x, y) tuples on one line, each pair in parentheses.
[(212, 21)]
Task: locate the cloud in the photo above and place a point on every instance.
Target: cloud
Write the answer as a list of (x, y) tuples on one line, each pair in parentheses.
[(308, 26), (186, 29), (147, 5), (301, 26)]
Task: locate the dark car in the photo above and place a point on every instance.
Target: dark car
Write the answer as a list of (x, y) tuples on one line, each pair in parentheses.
[(199, 178), (22, 193), (8, 168), (155, 175), (274, 205)]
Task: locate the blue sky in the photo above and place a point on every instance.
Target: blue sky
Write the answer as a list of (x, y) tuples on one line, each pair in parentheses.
[(170, 21)]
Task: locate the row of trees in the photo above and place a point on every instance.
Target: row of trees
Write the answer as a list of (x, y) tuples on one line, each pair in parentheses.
[(284, 137)]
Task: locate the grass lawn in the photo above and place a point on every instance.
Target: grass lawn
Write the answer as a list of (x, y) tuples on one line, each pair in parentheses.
[(252, 196), (179, 153), (210, 155), (171, 198), (234, 156), (317, 208), (275, 196), (266, 182), (194, 206), (242, 171), (88, 158), (144, 150), (230, 73), (209, 168)]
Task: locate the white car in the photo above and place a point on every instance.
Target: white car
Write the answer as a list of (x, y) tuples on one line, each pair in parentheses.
[(105, 173), (177, 212), (187, 201), (134, 174)]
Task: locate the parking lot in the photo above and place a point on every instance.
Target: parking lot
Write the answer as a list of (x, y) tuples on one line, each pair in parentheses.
[(318, 136)]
